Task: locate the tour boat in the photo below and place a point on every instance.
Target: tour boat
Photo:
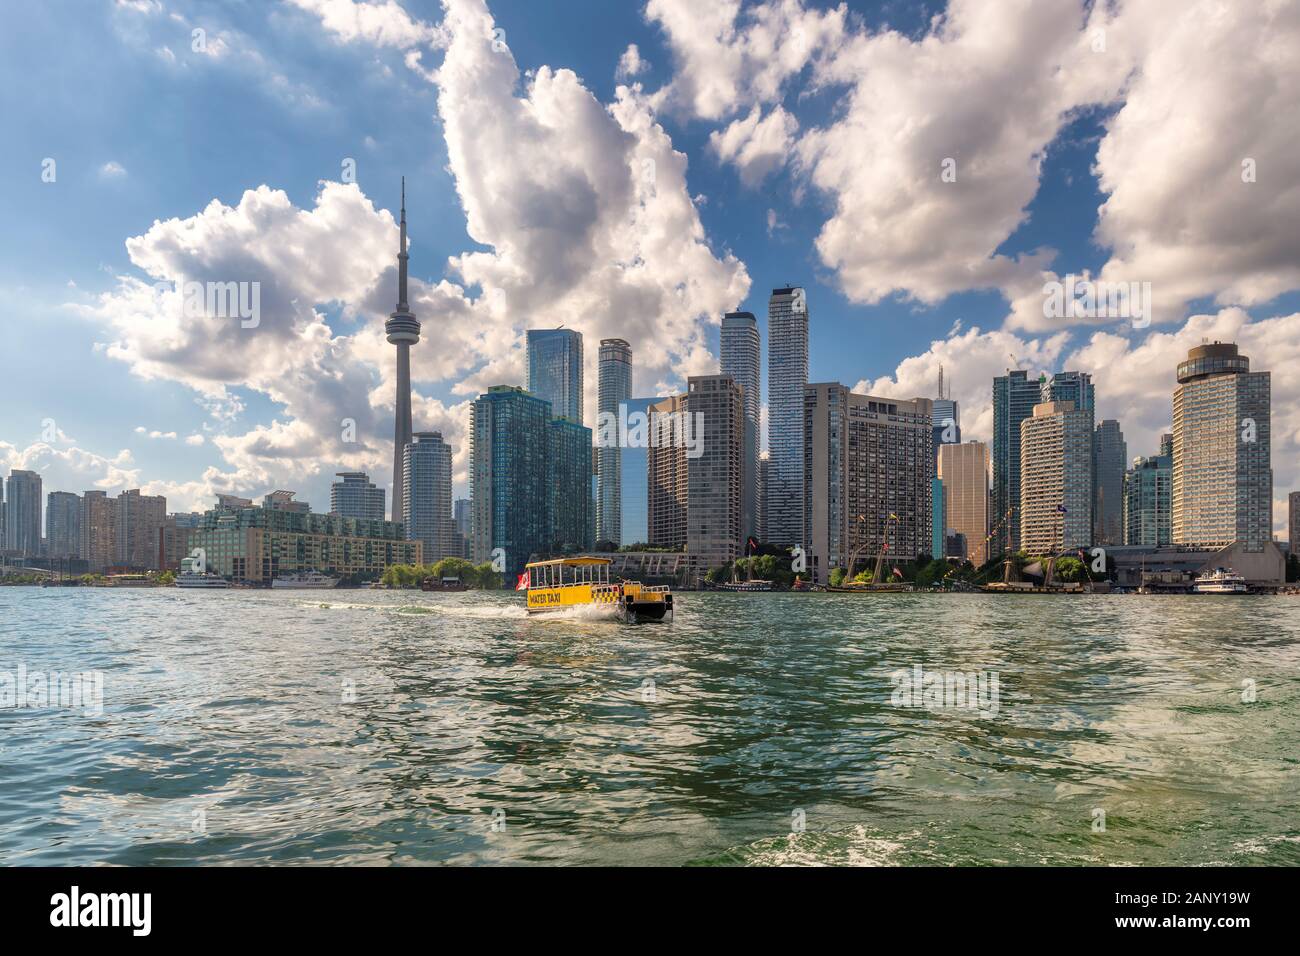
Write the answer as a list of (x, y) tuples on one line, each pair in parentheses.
[(1221, 581), (305, 580), (200, 579), (449, 583), (563, 584)]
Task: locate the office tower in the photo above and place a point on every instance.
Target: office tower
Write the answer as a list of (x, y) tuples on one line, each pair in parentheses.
[(760, 497), (63, 524), (964, 470), (1073, 387), (284, 501), (614, 389), (427, 496), (787, 374), (462, 518), (1293, 522), (937, 526), (569, 524), (636, 463), (555, 370), (1223, 474), (403, 330), (98, 530), (869, 471), (947, 423), (509, 436), (23, 513), (1014, 398), (1109, 462), (740, 350), (666, 473), (1148, 498), (139, 522), (3, 539), (1056, 478), (714, 476), (356, 496)]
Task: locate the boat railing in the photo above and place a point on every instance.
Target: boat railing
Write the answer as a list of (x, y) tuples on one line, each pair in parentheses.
[(606, 593), (655, 589)]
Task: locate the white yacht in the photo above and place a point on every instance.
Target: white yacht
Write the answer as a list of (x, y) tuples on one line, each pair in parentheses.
[(312, 580), (200, 579), (1221, 581)]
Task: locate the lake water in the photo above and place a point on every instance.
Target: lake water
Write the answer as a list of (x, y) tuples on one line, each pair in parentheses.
[(381, 727)]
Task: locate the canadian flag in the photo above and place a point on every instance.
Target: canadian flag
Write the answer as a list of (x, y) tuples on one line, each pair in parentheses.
[(522, 583)]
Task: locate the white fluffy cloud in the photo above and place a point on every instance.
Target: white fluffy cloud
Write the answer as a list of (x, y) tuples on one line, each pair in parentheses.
[(758, 145), (382, 23)]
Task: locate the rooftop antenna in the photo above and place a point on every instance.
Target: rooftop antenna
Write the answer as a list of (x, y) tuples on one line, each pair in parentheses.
[(941, 380)]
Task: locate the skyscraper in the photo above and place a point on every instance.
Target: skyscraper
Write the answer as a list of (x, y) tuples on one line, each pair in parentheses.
[(964, 470), (138, 524), (63, 524), (614, 389), (555, 370), (427, 496), (98, 530), (509, 497), (1223, 473), (403, 330), (23, 513), (1109, 462), (787, 374), (462, 517), (870, 462), (947, 424), (1056, 478), (1014, 398), (569, 525), (740, 351), (1293, 522), (1074, 387), (356, 496), (666, 474), (1148, 498), (714, 536), (634, 478), (760, 496)]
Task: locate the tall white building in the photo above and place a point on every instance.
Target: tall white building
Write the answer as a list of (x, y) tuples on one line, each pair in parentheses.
[(740, 348), (614, 389), (427, 497), (356, 496), (1056, 478), (787, 374)]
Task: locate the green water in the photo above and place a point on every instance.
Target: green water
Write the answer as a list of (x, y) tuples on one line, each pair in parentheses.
[(383, 727)]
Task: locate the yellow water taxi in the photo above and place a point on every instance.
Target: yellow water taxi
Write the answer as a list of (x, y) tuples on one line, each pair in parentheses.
[(565, 583)]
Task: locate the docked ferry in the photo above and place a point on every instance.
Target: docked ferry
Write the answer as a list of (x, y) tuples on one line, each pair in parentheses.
[(566, 583), (200, 579), (311, 580), (1221, 581)]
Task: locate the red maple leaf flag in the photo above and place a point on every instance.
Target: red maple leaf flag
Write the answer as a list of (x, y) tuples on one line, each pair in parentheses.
[(522, 583)]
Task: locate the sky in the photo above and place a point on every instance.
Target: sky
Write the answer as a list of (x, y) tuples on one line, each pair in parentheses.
[(631, 169)]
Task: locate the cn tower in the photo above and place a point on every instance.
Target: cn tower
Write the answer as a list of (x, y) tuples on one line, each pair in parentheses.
[(403, 330)]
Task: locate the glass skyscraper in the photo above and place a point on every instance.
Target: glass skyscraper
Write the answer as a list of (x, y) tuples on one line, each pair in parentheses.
[(1014, 398), (568, 476), (555, 370), (1148, 498), (510, 435), (740, 348), (23, 513), (1109, 462), (62, 524), (635, 484), (614, 390), (427, 496), (787, 375)]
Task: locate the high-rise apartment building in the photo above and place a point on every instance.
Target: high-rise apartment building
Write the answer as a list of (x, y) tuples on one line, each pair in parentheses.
[(1148, 498), (427, 496), (666, 475), (569, 523), (23, 513), (764, 464), (614, 390), (1293, 522), (1073, 387), (284, 501), (964, 471), (1014, 398), (740, 353), (356, 496), (139, 522), (98, 530), (1056, 478), (868, 478), (1109, 463), (462, 518), (787, 374), (1223, 472), (714, 477), (555, 370), (63, 524), (635, 472)]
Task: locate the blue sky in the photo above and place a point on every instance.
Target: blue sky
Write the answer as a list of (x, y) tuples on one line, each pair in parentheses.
[(144, 129)]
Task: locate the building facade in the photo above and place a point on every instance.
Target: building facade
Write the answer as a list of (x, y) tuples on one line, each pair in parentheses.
[(787, 375), (666, 476), (1223, 473), (570, 525), (427, 497), (1293, 522), (139, 523), (98, 530), (635, 472), (1149, 498), (964, 471), (63, 524), (356, 496), (740, 352), (715, 476), (1014, 398), (1056, 479), (462, 517), (555, 370), (1109, 463), (614, 390), (23, 502)]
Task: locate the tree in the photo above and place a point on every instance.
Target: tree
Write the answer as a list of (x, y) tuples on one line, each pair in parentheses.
[(1069, 569), (837, 577)]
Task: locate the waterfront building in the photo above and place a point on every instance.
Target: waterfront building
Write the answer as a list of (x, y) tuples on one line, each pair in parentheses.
[(1056, 478), (569, 524), (462, 518), (1148, 498), (1109, 462), (869, 469), (964, 471), (284, 501), (555, 370), (614, 389), (403, 331), (635, 472), (356, 496), (426, 496), (1293, 522), (174, 539), (1223, 474), (23, 513), (666, 474), (3, 539), (787, 375), (63, 524), (509, 438), (937, 526), (138, 524), (98, 530), (1014, 398), (715, 475), (740, 348), (258, 544), (760, 521)]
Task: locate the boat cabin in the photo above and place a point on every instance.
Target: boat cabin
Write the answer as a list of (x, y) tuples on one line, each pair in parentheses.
[(566, 572)]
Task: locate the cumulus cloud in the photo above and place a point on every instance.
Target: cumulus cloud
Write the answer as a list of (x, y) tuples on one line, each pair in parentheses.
[(630, 64), (758, 145), (153, 433), (384, 24), (112, 170)]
